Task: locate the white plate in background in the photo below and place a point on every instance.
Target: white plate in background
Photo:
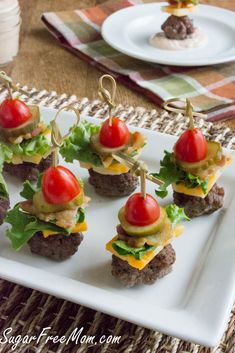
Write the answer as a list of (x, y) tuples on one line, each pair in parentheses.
[(128, 31), (192, 303)]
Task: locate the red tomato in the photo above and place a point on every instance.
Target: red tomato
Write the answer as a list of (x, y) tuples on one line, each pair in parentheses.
[(141, 211), (13, 113), (59, 185), (114, 135), (191, 146)]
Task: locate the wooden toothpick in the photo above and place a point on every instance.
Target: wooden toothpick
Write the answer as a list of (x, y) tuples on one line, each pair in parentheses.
[(136, 166), (187, 110), (10, 86), (56, 137), (108, 97), (143, 183)]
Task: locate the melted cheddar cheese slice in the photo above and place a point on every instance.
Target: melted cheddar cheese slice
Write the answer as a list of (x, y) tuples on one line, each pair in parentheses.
[(80, 227), (113, 169), (140, 264), (181, 188)]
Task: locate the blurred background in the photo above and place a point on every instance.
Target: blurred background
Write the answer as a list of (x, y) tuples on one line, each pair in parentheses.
[(43, 64)]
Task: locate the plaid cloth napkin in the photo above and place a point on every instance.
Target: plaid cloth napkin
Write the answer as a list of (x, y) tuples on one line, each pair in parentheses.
[(212, 89)]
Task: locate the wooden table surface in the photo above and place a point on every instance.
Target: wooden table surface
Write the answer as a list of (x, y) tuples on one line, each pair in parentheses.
[(43, 64)]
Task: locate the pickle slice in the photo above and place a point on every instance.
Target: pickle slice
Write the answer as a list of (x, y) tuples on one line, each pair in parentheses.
[(42, 206), (161, 238), (25, 128), (102, 150), (141, 231), (214, 153)]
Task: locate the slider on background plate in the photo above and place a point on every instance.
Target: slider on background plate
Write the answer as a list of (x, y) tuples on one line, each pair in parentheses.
[(52, 218), (142, 250), (94, 147), (24, 137), (179, 31), (193, 168)]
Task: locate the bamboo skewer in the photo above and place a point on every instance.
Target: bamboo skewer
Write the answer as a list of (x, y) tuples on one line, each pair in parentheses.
[(106, 96), (10, 86), (136, 166), (56, 137), (187, 109)]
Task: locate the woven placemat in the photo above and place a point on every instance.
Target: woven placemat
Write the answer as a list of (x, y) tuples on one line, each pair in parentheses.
[(28, 311)]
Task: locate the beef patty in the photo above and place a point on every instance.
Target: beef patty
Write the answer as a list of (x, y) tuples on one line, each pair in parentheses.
[(176, 27), (57, 247), (196, 206), (113, 185), (27, 170), (159, 267), (4, 206)]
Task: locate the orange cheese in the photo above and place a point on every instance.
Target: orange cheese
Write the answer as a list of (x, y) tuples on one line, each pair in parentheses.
[(79, 227), (140, 264), (118, 167), (181, 188), (178, 230)]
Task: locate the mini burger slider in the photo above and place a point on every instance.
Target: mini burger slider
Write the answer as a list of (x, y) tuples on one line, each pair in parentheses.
[(24, 137), (94, 146), (141, 250), (52, 219), (193, 168)]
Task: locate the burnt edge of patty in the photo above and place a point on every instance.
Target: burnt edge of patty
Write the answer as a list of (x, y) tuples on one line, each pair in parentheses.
[(4, 206), (196, 206), (26, 170), (58, 247), (157, 268), (178, 27), (113, 185)]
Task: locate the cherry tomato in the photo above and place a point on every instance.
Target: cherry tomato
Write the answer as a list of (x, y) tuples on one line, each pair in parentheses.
[(59, 185), (191, 146), (114, 135), (13, 113), (141, 211)]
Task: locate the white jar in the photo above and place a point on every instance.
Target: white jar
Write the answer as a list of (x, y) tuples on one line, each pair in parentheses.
[(10, 22)]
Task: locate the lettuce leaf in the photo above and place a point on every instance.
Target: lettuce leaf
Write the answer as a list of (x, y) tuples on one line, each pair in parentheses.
[(123, 249), (4, 155), (24, 226), (38, 145), (81, 215), (3, 188), (29, 190), (77, 146), (176, 214), (171, 173)]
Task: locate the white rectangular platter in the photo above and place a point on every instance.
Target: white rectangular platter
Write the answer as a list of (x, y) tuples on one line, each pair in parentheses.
[(192, 303)]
